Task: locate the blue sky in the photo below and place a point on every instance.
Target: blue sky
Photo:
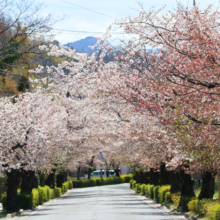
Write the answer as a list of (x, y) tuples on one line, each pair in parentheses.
[(87, 17)]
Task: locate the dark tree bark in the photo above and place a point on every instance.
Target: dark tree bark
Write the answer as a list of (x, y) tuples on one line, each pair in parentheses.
[(174, 182), (35, 182), (42, 179), (154, 177), (13, 181), (27, 181), (187, 191), (117, 172), (147, 181), (61, 178), (50, 181), (78, 173), (90, 169), (208, 185), (164, 175), (107, 172), (141, 177)]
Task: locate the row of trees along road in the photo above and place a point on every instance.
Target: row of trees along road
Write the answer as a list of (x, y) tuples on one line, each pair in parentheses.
[(152, 111)]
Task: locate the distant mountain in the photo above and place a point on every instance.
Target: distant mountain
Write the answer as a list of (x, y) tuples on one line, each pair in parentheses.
[(82, 46)]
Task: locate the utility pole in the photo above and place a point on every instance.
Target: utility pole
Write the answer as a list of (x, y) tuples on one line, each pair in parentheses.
[(101, 158)]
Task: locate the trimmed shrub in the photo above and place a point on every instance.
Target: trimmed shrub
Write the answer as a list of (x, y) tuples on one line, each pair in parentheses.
[(43, 196), (202, 206), (156, 193), (192, 205), (168, 198), (70, 184), (149, 191), (143, 189), (92, 182), (88, 182), (175, 197), (76, 183), (65, 187), (48, 192), (25, 201), (51, 194), (98, 181), (162, 191), (104, 181), (217, 213), (206, 207), (138, 188), (127, 177), (133, 184), (35, 197), (57, 192), (84, 183)]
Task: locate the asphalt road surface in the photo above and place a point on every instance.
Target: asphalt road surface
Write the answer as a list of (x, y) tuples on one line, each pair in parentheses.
[(114, 202)]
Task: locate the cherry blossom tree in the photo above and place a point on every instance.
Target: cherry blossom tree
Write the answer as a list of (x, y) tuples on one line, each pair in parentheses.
[(178, 83), (32, 126)]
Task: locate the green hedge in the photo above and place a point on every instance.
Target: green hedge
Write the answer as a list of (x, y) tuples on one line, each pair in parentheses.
[(156, 193), (70, 184), (37, 197), (206, 208), (43, 197), (168, 198), (57, 192), (76, 183), (143, 189), (149, 191), (102, 181), (138, 188), (162, 192), (25, 201), (65, 187), (134, 184), (131, 183)]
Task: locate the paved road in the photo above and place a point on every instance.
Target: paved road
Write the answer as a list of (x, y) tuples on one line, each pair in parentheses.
[(114, 202)]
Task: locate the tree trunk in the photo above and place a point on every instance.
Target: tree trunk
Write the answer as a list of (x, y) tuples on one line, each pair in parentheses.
[(78, 173), (186, 190), (147, 174), (117, 172), (27, 181), (50, 181), (61, 178), (42, 179), (141, 177), (13, 181), (90, 169), (164, 175), (174, 182), (35, 182), (154, 177), (89, 173), (208, 185), (107, 172)]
